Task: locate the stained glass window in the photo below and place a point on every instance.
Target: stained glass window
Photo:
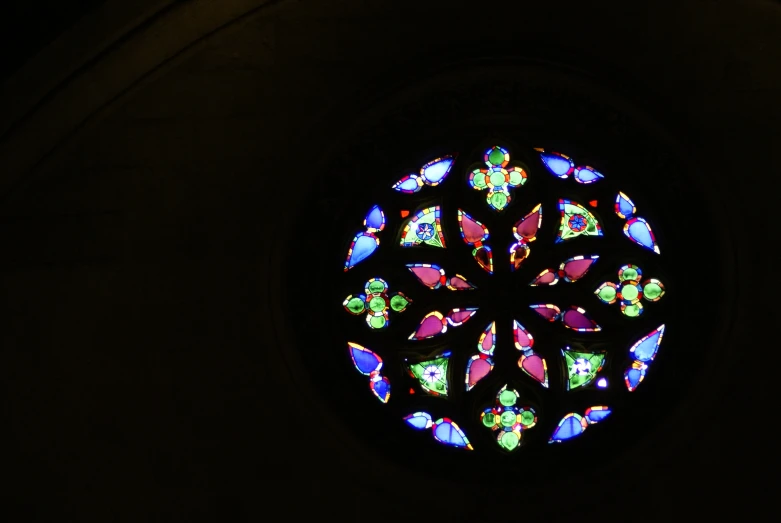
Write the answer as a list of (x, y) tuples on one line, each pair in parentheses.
[(511, 297)]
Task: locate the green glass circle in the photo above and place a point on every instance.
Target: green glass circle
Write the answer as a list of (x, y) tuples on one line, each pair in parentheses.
[(398, 303), (507, 398), (479, 180), (516, 178), (629, 292), (377, 322), (376, 286), (629, 274), (652, 291), (498, 200), (497, 178), (508, 418), (489, 419), (509, 440), (496, 156), (355, 305), (607, 293), (632, 310), (527, 417), (377, 304)]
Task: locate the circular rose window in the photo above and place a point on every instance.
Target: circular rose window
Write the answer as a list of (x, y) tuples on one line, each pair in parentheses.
[(503, 307)]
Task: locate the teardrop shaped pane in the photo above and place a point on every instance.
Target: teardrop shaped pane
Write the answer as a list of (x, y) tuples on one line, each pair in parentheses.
[(570, 426), (432, 375), (487, 342), (472, 231), (638, 230), (381, 388), (577, 319), (576, 221), (458, 317), (430, 275), (459, 283), (546, 277), (596, 414), (419, 420), (523, 338), (432, 325), (558, 164), (476, 369), (447, 432), (423, 227), (375, 219), (355, 304), (484, 258), (526, 228), (582, 367), (409, 184), (532, 364), (587, 175), (364, 360), (362, 246), (645, 348), (634, 375), (624, 207), (548, 311), (518, 253), (436, 170), (575, 268), (399, 302)]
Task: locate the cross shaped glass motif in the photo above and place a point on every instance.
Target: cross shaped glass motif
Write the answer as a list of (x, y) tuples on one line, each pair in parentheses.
[(376, 302), (629, 290), (498, 178)]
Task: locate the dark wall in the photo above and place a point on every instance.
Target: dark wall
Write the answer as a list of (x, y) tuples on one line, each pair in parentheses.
[(145, 370)]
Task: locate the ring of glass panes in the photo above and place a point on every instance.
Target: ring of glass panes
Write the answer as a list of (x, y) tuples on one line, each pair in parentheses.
[(430, 365)]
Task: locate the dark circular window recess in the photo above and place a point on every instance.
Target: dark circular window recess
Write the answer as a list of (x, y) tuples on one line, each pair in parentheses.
[(500, 126)]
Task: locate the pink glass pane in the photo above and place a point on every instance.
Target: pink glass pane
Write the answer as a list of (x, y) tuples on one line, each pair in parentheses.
[(577, 319), (459, 283), (472, 230), (487, 340), (477, 370), (527, 226), (429, 275), (458, 316), (577, 267), (534, 366), (547, 311), (523, 338), (433, 324), (546, 277)]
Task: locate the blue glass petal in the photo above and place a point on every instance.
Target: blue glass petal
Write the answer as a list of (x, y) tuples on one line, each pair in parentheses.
[(625, 208), (640, 233), (381, 389), (435, 172), (556, 164), (598, 415), (587, 175), (568, 428), (408, 184), (419, 420), (449, 435), (632, 377), (375, 219), (365, 360), (645, 349), (364, 245)]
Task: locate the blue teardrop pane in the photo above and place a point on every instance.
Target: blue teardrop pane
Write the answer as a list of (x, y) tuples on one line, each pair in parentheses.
[(587, 175), (375, 219), (363, 245), (559, 166), (419, 420), (595, 416), (381, 389), (638, 231), (568, 428), (365, 360), (632, 377), (646, 348), (624, 207), (446, 433), (435, 172), (408, 184)]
